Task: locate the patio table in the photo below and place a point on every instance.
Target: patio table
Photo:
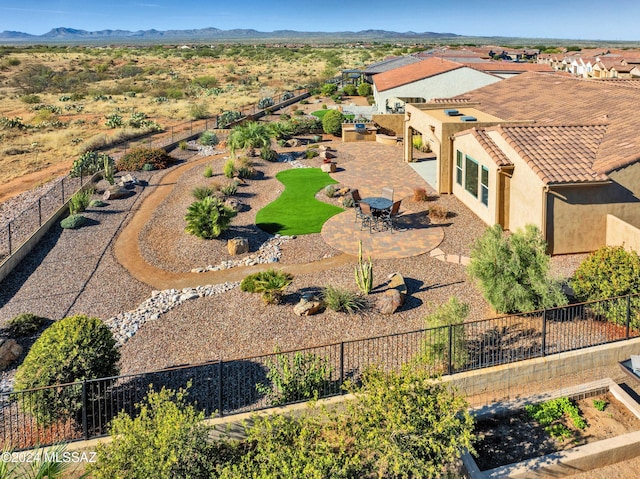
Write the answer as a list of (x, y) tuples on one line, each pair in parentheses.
[(378, 203)]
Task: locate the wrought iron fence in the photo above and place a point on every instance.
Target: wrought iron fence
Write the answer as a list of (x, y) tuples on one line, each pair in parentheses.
[(225, 387)]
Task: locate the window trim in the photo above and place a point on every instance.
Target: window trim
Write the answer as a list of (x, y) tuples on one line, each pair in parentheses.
[(468, 160), (484, 187), (459, 173)]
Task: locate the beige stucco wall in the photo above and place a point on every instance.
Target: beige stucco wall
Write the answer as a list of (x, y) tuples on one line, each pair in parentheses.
[(469, 146), (389, 124), (621, 233), (350, 134)]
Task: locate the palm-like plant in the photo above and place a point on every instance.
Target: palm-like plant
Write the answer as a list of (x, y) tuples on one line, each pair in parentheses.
[(208, 218), (281, 130), (249, 136)]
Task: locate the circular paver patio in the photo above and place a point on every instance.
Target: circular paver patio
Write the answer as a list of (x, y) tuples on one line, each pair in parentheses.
[(414, 236)]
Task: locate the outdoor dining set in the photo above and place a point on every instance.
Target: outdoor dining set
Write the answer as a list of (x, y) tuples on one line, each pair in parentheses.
[(376, 212)]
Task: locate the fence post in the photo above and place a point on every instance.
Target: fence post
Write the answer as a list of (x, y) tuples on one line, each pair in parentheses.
[(171, 134), (341, 365), (62, 183), (9, 236), (544, 332), (628, 313), (40, 211), (450, 369), (191, 128), (220, 412), (85, 425)]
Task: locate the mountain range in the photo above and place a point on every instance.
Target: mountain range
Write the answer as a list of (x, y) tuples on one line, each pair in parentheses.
[(63, 34)]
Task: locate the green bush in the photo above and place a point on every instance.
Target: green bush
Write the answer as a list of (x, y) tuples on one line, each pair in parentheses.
[(229, 189), (208, 172), (165, 440), (202, 192), (332, 122), (270, 283), (268, 154), (25, 324), (208, 218), (73, 222), (310, 153), (209, 138), (135, 159), (265, 102), (350, 90), (114, 120), (228, 117), (89, 163), (72, 349), (229, 168), (183, 145), (148, 167), (513, 272), (329, 89), (609, 272), (364, 89), (97, 204), (340, 299), (295, 377), (31, 99), (435, 347), (248, 136), (80, 200), (246, 172), (199, 111)]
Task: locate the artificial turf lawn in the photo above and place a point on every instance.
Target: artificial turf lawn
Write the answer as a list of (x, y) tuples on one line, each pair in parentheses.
[(321, 113), (296, 211)]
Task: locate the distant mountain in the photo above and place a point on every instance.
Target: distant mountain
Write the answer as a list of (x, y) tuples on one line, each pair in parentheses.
[(63, 34)]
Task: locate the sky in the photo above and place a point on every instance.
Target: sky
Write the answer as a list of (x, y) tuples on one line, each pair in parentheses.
[(580, 20)]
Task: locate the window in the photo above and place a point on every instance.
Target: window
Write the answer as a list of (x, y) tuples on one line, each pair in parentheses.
[(471, 176), (484, 186), (459, 167)]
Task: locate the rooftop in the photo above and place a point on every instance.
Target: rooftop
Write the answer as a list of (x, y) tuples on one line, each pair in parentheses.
[(414, 72)]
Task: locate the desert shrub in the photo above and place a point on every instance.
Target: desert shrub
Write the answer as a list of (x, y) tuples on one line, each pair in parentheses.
[(364, 89), (246, 172), (31, 99), (73, 222), (229, 189), (135, 159), (229, 168), (310, 153), (329, 89), (166, 439), (209, 138), (332, 122), (198, 111), (10, 123), (72, 349), (89, 163), (114, 120), (268, 154), (340, 299), (435, 346), (228, 117), (270, 283), (97, 204), (248, 136), (295, 377), (183, 145), (208, 172), (25, 324), (513, 272), (202, 192), (206, 81), (208, 218), (80, 200), (350, 90), (265, 102), (298, 113), (420, 195), (609, 272), (139, 119), (438, 213), (148, 167)]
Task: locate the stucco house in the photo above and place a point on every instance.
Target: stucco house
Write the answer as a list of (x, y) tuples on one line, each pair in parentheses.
[(421, 81), (555, 151)]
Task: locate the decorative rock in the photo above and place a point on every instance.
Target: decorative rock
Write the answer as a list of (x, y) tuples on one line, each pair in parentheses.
[(326, 154), (233, 203), (10, 350), (238, 245), (396, 281), (115, 192), (292, 143), (308, 305), (328, 167), (128, 181), (390, 301), (324, 148)]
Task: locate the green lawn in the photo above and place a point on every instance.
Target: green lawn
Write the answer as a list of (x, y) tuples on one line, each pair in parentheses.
[(321, 113), (296, 211)]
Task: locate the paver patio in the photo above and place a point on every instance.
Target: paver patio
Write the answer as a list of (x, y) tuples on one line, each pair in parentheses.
[(370, 166)]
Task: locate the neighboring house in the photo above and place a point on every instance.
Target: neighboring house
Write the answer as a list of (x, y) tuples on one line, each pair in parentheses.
[(387, 64), (565, 156), (422, 81)]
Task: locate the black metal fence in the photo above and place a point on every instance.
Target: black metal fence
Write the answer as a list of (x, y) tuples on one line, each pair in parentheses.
[(224, 387)]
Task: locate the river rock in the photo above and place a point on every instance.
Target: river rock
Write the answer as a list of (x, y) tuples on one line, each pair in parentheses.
[(238, 245), (10, 350)]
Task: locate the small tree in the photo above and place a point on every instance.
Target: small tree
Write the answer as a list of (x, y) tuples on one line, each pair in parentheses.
[(364, 89), (332, 122), (72, 349), (329, 89), (609, 272), (208, 218), (513, 272)]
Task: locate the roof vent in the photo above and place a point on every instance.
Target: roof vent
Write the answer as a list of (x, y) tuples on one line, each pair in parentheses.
[(468, 118), (451, 112)]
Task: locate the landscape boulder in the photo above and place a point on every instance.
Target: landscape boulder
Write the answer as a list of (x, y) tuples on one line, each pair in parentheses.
[(389, 301), (238, 245), (234, 203), (128, 181), (308, 305), (292, 143), (115, 192), (10, 350), (328, 167), (327, 155)]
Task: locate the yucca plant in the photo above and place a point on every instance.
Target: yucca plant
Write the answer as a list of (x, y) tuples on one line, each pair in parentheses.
[(340, 299), (202, 192), (364, 273), (208, 218)]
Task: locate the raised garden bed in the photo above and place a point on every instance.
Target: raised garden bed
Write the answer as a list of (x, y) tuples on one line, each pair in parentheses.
[(515, 446)]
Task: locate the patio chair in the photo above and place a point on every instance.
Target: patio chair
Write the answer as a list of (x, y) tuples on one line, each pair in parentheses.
[(367, 218), (387, 193), (388, 217), (355, 194)]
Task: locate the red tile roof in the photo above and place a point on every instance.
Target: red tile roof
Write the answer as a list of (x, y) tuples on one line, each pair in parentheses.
[(563, 100), (414, 72), (489, 145), (510, 67)]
